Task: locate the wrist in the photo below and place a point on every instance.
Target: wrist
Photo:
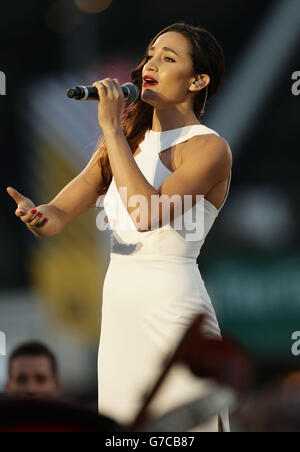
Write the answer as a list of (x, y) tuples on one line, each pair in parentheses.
[(112, 128)]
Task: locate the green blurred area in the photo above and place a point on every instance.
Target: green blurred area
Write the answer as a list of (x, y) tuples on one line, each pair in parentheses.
[(256, 298)]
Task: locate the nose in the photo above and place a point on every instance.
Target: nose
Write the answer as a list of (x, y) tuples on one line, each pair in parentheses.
[(149, 65)]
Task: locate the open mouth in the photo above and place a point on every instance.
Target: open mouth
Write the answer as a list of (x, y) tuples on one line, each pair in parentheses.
[(149, 82)]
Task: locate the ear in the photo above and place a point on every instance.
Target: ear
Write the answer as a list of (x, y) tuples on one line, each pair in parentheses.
[(199, 83)]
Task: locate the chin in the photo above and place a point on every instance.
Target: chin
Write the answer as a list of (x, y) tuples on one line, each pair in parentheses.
[(148, 99), (152, 98)]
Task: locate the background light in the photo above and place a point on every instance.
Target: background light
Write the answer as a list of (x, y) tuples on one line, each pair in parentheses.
[(93, 6), (63, 17)]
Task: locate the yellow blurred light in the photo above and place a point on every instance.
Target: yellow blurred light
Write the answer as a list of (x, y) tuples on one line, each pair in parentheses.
[(93, 6), (63, 17)]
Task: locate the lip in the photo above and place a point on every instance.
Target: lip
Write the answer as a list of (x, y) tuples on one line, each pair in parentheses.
[(146, 84)]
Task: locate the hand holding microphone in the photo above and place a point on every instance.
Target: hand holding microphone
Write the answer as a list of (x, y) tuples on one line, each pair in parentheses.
[(111, 96)]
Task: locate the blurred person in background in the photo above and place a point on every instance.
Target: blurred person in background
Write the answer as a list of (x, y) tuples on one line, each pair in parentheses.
[(157, 146), (33, 372)]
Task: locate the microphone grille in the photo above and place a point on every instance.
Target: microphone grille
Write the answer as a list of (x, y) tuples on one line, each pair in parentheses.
[(133, 92), (71, 93)]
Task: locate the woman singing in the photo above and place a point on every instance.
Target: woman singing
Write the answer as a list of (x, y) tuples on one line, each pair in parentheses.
[(155, 155)]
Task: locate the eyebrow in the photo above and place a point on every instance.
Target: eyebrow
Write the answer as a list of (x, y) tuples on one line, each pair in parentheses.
[(166, 48)]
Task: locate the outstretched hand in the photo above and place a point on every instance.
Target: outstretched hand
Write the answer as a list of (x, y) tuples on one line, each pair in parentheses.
[(26, 211)]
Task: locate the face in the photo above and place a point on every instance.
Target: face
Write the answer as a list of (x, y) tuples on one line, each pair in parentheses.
[(173, 72), (32, 377)]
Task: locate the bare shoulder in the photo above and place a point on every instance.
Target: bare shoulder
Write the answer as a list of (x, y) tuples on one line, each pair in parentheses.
[(209, 143), (209, 148)]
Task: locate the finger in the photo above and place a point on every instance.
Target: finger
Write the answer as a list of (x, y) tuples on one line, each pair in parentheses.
[(102, 90), (20, 211), (18, 197), (118, 87), (108, 85), (112, 90), (38, 219), (24, 208), (42, 222), (29, 216)]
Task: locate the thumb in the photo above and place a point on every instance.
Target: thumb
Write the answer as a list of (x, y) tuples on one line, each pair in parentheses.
[(15, 195)]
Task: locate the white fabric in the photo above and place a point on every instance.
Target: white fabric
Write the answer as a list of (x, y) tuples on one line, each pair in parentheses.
[(152, 291)]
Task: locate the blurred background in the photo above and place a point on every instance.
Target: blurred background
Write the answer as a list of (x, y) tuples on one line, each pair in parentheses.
[(50, 290)]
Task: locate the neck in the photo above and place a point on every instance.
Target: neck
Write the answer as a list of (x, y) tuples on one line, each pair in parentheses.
[(169, 119)]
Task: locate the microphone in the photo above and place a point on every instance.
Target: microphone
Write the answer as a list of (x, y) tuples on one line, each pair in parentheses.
[(130, 91)]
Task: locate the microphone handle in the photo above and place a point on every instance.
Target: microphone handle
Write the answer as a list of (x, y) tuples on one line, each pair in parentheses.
[(130, 92)]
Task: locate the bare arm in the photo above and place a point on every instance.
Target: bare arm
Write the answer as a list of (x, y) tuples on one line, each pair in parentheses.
[(205, 162), (79, 194), (75, 198)]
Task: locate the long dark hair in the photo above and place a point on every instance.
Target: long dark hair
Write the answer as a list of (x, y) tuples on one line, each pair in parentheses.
[(208, 58)]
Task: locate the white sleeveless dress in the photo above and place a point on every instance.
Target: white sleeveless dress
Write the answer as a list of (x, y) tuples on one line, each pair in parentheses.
[(152, 291)]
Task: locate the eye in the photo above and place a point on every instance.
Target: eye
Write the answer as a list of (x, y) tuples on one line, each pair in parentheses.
[(170, 59), (147, 57)]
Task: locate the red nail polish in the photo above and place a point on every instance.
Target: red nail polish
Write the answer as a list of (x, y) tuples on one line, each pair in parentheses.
[(21, 212), (39, 214), (45, 220), (33, 211)]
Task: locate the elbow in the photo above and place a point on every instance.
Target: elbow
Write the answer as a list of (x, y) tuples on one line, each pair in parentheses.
[(142, 227), (145, 225), (151, 225), (142, 230), (147, 216)]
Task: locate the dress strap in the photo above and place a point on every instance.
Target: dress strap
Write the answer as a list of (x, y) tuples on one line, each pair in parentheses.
[(178, 136), (156, 142)]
